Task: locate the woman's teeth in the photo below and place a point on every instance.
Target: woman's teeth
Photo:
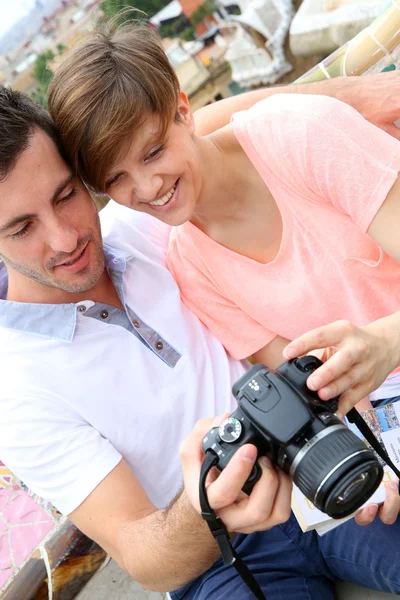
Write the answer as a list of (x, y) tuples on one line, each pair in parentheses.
[(164, 199)]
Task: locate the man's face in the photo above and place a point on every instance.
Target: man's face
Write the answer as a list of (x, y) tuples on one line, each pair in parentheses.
[(49, 226)]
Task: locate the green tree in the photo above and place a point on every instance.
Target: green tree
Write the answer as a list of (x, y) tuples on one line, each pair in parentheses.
[(41, 71), (204, 10), (179, 28), (61, 48), (150, 7)]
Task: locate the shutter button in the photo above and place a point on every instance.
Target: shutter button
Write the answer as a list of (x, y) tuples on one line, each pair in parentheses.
[(104, 314), (159, 345)]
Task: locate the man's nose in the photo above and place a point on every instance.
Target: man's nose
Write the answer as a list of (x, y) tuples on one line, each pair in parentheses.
[(63, 237)]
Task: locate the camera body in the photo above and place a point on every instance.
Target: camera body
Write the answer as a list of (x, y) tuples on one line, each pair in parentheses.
[(301, 435)]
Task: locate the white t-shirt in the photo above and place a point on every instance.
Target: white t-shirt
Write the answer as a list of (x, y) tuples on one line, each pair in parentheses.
[(83, 385)]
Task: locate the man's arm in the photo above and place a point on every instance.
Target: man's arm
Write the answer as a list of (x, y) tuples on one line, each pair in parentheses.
[(165, 549), (376, 97)]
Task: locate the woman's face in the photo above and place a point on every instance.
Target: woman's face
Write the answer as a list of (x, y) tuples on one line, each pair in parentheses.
[(160, 176)]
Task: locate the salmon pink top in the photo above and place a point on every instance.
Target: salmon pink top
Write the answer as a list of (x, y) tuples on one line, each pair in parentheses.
[(329, 171)]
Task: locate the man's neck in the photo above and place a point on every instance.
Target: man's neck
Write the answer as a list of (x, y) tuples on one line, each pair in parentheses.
[(32, 292)]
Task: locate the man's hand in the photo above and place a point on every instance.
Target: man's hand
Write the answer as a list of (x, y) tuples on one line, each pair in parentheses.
[(376, 97), (387, 512), (269, 502)]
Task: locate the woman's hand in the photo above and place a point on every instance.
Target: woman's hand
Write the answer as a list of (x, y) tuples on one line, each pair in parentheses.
[(357, 360), (387, 512)]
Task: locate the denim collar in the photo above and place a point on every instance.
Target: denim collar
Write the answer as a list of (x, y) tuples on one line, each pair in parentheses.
[(56, 321)]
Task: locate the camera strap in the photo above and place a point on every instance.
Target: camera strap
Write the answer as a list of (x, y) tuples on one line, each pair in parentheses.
[(220, 532), (354, 417)]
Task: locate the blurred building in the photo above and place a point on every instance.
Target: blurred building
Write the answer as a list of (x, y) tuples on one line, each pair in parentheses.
[(203, 75)]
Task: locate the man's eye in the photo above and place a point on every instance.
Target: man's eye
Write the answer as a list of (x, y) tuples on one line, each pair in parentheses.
[(21, 232), (70, 195)]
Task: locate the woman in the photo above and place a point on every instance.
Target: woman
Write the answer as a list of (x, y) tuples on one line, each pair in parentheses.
[(285, 219)]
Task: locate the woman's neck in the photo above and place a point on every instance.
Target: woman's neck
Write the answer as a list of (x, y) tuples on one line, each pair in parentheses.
[(235, 206), (225, 181)]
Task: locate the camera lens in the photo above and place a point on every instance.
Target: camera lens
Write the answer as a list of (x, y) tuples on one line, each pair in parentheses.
[(354, 488), (336, 471)]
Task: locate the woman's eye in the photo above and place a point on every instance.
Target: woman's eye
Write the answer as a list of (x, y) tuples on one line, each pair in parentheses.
[(155, 152), (21, 232), (113, 181)]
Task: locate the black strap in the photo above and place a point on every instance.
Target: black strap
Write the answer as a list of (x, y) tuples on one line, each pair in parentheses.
[(220, 532), (354, 417)]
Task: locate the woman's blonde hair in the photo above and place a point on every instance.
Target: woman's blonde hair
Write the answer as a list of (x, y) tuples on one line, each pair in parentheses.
[(103, 91)]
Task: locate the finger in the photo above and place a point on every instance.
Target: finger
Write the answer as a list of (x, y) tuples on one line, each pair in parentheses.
[(389, 510), (218, 420), (350, 398), (328, 335), (254, 509), (191, 447), (366, 515), (281, 506), (392, 130), (355, 375), (228, 486), (340, 365)]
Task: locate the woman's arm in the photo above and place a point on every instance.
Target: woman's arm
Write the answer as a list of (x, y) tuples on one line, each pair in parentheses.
[(358, 359), (376, 97)]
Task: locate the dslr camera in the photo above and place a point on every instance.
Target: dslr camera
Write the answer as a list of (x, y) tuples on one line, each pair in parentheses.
[(301, 435)]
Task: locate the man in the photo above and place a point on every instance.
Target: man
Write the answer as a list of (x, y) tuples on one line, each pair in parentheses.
[(105, 372)]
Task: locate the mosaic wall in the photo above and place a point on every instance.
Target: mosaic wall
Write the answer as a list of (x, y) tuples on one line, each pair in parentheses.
[(25, 520)]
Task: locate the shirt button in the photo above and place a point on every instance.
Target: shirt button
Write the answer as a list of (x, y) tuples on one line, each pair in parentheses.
[(115, 261), (136, 323), (159, 345), (81, 308), (104, 314)]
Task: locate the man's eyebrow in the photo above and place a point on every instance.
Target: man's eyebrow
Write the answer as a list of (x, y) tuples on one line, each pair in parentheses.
[(27, 216), (61, 187), (16, 221)]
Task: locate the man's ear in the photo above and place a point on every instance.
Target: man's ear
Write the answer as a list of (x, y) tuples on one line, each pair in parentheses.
[(184, 111)]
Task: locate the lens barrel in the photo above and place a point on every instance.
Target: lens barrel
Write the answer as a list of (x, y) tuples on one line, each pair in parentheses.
[(337, 472)]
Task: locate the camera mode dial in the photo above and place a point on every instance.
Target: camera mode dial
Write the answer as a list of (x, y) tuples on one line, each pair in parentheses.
[(230, 430)]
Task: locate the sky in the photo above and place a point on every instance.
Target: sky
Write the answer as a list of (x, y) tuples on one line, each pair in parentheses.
[(11, 11)]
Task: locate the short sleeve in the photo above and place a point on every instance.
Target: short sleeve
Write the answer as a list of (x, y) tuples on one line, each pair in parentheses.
[(322, 149), (240, 334), (52, 450), (125, 228)]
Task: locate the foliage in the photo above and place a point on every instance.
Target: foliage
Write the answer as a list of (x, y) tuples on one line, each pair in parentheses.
[(180, 27), (43, 74), (150, 7), (202, 11), (61, 48), (188, 34), (41, 71)]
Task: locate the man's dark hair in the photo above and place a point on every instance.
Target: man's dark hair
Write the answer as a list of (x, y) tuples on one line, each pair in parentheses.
[(19, 117)]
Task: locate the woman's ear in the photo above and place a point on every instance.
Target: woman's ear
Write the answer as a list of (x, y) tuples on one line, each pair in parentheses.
[(184, 111)]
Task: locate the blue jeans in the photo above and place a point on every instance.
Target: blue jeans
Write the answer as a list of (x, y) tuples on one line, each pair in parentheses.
[(384, 401), (292, 565)]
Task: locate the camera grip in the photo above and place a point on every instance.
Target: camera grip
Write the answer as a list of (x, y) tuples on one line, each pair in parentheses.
[(252, 480)]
